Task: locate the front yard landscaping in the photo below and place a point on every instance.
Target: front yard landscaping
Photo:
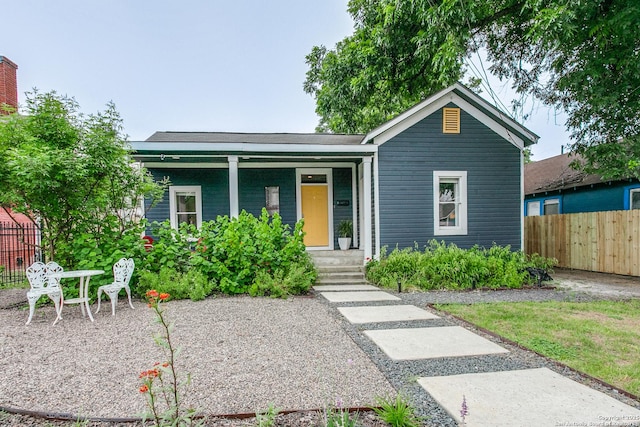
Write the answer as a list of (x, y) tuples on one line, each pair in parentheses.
[(601, 338)]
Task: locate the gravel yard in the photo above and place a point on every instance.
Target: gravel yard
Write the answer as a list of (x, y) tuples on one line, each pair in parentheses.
[(243, 354)]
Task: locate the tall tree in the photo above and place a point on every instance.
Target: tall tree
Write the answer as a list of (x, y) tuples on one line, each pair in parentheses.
[(70, 173), (579, 56)]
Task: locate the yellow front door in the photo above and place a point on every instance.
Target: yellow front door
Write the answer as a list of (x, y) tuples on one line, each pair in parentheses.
[(315, 208)]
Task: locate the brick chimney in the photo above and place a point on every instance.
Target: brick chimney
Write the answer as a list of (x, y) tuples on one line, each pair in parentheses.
[(8, 83)]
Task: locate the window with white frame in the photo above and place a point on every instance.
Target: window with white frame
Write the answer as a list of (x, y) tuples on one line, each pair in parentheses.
[(533, 208), (450, 203), (634, 198), (551, 207), (185, 205)]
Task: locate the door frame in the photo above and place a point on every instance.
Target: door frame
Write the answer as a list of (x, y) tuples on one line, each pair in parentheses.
[(317, 171)]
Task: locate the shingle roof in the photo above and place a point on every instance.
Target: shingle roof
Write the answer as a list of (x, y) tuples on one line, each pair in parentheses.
[(555, 173), (257, 138)]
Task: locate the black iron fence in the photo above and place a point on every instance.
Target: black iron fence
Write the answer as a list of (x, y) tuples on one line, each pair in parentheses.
[(19, 248)]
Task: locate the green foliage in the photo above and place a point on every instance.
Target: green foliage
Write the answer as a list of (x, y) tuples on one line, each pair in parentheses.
[(280, 283), (442, 266), (74, 174), (338, 417), (268, 417), (345, 228), (259, 256), (580, 57), (397, 412), (192, 284)]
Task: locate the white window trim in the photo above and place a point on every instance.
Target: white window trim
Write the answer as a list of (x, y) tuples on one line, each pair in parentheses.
[(549, 202), (172, 202), (632, 191), (461, 228), (533, 208)]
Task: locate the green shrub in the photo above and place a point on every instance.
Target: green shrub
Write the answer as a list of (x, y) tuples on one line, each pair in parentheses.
[(237, 254), (442, 266), (99, 251), (397, 412), (296, 280), (192, 284)]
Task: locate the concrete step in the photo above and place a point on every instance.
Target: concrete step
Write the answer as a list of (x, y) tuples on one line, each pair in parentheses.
[(341, 275), (337, 258), (331, 281), (322, 269)]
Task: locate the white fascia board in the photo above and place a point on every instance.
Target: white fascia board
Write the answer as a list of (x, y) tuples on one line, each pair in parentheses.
[(169, 147), (383, 133), (436, 105), (404, 116), (495, 111), (241, 165)]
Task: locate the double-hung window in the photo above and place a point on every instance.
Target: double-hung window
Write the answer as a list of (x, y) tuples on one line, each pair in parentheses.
[(450, 203), (551, 207), (185, 205)]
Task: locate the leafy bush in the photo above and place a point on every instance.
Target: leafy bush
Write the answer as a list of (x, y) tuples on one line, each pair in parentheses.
[(442, 266), (192, 284), (261, 256), (99, 251), (280, 283)]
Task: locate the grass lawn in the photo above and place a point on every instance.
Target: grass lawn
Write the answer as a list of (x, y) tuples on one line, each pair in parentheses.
[(599, 338)]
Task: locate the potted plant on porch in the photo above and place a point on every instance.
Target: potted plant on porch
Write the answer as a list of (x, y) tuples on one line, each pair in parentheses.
[(345, 233)]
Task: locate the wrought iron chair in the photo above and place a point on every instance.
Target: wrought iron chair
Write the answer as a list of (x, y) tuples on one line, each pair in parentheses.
[(122, 272), (41, 284)]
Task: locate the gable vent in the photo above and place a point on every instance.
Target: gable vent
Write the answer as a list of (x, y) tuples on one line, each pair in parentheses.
[(451, 120)]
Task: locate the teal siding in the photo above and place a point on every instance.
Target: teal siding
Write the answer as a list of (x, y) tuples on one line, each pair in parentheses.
[(214, 187), (406, 166), (341, 191), (608, 196), (252, 183)]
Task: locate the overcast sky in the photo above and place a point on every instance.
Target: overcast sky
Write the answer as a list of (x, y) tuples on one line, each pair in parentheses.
[(191, 65)]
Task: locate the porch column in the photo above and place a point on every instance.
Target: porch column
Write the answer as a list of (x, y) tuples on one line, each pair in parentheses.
[(366, 197), (233, 187)]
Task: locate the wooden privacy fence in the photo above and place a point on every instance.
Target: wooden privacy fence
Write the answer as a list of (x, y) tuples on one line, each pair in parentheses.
[(607, 242)]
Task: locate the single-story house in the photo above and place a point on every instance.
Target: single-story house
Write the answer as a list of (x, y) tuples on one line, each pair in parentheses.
[(450, 168), (551, 186)]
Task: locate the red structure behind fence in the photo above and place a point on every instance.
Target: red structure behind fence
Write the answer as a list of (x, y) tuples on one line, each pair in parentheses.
[(18, 249)]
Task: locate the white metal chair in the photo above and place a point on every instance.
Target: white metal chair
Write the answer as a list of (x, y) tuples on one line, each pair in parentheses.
[(122, 272), (41, 284)]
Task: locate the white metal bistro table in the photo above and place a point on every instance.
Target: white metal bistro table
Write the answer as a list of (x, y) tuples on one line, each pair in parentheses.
[(83, 290)]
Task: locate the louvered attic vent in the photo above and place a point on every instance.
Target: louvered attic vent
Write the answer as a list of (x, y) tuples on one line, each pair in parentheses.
[(451, 120)]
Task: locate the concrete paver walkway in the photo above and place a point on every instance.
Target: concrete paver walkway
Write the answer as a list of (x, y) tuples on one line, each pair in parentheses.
[(385, 313), (531, 397), (430, 343), (528, 397)]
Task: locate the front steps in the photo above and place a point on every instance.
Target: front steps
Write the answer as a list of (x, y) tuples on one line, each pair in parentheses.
[(339, 267)]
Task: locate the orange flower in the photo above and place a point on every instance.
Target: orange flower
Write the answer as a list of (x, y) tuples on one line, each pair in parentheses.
[(152, 293), (165, 365), (144, 389), (164, 296)]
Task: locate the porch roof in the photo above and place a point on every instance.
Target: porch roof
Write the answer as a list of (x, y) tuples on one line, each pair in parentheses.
[(212, 147), (257, 138)]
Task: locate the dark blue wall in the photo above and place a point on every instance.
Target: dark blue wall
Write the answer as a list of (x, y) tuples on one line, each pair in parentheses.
[(341, 191), (214, 186), (406, 166), (251, 183)]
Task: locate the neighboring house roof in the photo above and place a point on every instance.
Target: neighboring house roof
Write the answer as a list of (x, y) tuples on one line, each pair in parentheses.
[(256, 138), (464, 98), (555, 173)]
